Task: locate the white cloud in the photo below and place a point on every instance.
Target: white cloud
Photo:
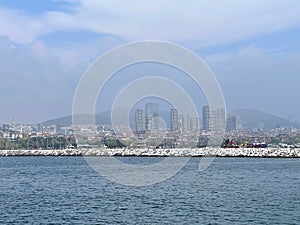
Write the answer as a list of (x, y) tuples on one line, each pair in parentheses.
[(200, 22), (38, 82), (258, 78), (85, 51), (33, 71), (14, 24)]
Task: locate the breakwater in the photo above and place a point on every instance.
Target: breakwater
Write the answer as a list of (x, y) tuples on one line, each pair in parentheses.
[(178, 152)]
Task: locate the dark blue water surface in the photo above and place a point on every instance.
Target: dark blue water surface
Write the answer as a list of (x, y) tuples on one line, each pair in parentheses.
[(65, 190)]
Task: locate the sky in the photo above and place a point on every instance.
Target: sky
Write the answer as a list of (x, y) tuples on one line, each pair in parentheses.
[(252, 47)]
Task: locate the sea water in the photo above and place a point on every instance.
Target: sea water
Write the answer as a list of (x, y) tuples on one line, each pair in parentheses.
[(65, 190)]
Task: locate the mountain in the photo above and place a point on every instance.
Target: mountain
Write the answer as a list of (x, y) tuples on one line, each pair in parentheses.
[(66, 120), (250, 118), (103, 118)]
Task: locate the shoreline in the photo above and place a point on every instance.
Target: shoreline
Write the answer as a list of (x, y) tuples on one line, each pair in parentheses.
[(178, 152)]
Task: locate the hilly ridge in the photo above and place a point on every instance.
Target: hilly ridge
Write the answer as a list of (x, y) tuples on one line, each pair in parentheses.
[(249, 118)]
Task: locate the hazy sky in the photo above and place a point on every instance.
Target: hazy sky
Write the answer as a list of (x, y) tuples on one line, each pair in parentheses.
[(253, 47)]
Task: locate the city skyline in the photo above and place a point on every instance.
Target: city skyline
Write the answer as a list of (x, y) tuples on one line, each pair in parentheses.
[(241, 119), (149, 120), (184, 131)]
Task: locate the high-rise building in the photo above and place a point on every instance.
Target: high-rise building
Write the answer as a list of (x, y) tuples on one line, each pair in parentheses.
[(207, 117), (151, 117), (194, 124), (213, 119), (139, 120), (184, 123), (231, 123), (220, 119), (174, 120)]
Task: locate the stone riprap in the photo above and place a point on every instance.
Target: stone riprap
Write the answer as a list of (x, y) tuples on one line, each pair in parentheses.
[(184, 152)]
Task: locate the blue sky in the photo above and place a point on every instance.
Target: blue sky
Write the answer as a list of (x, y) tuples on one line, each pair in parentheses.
[(252, 47)]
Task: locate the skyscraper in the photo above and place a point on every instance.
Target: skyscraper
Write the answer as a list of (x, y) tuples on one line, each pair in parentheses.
[(231, 123), (219, 119), (174, 120), (139, 120), (194, 124), (213, 119), (151, 117), (207, 117), (184, 123)]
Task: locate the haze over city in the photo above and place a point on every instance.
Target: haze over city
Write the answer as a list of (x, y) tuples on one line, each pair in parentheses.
[(149, 112), (252, 48)]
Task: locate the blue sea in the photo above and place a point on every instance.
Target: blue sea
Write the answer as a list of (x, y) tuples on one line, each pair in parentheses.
[(65, 190)]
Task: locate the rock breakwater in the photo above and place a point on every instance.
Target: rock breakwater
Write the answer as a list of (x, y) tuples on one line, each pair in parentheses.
[(178, 152)]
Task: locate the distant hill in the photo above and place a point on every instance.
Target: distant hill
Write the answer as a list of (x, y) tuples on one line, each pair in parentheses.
[(103, 118), (66, 120), (250, 118)]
